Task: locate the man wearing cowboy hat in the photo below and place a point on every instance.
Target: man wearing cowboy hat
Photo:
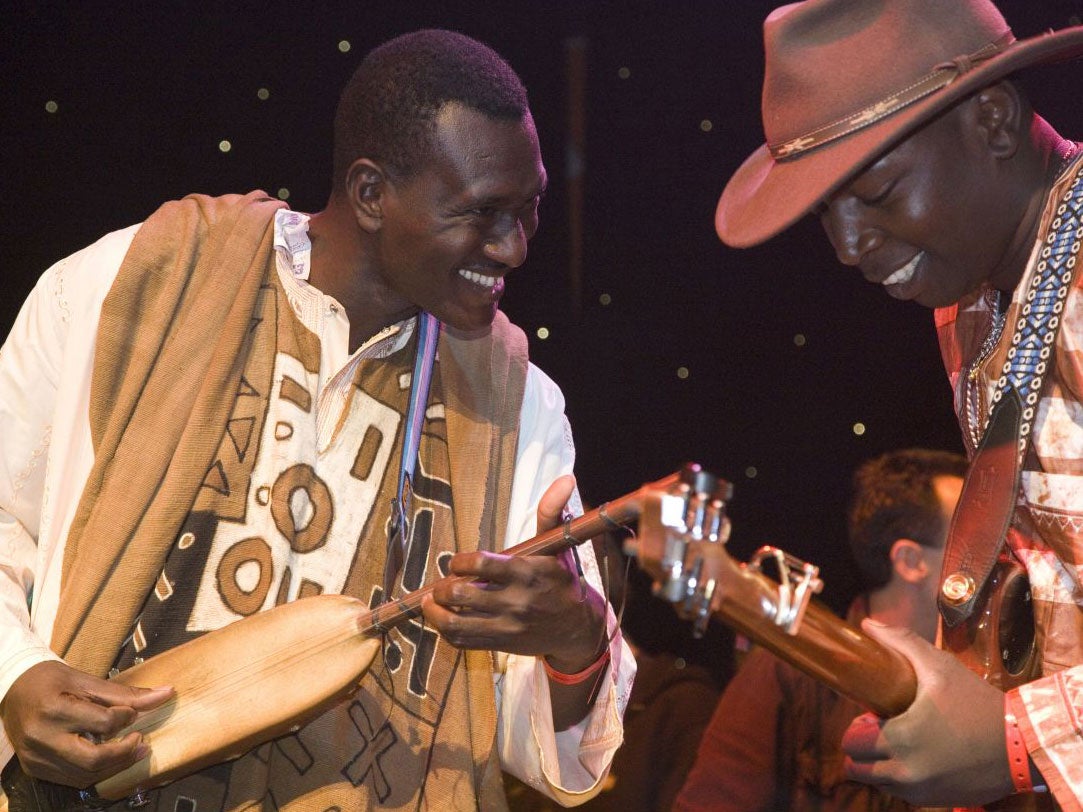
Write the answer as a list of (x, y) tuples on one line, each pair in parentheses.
[(898, 123)]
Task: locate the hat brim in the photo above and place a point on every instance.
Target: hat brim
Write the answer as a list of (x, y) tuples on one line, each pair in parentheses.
[(765, 197)]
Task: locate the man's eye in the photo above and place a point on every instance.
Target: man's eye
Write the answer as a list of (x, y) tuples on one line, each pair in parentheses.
[(881, 196)]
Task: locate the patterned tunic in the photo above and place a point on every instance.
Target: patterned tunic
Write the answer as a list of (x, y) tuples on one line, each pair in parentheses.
[(1047, 529)]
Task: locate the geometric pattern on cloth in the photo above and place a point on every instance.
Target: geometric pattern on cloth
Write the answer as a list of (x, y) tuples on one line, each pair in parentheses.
[(1065, 523), (396, 742), (1040, 317)]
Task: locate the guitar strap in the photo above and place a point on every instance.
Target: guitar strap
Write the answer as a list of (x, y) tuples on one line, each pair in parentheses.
[(992, 483), (428, 328)]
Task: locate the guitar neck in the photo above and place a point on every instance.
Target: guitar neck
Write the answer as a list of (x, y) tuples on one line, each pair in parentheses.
[(681, 543), (611, 515), (824, 646)]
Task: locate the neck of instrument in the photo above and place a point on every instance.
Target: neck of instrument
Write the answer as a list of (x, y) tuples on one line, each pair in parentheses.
[(615, 514)]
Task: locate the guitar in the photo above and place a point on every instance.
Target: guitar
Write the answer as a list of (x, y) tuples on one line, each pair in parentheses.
[(264, 676), (681, 543)]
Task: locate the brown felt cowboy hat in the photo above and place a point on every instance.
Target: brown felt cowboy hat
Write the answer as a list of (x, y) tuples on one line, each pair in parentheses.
[(846, 80)]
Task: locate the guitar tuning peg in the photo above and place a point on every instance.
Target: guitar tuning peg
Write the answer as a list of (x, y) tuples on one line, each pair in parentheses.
[(704, 483), (689, 514)]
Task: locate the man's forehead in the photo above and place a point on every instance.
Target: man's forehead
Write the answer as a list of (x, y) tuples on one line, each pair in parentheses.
[(493, 155), (453, 115), (934, 135)]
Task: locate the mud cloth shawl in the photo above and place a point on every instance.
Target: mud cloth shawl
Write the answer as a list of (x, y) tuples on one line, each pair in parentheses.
[(171, 345)]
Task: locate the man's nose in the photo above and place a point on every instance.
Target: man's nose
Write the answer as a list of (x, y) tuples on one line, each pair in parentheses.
[(509, 246), (845, 220)]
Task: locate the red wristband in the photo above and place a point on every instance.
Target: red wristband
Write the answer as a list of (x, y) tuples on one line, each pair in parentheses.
[(1018, 758), (578, 677)]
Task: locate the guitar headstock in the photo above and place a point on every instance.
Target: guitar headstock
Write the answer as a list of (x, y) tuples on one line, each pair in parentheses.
[(683, 529), (681, 544), (673, 525)]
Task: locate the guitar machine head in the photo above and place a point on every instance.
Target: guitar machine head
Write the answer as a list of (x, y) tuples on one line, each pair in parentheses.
[(673, 525)]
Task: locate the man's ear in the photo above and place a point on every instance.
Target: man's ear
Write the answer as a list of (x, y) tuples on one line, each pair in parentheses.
[(366, 191), (908, 561), (1000, 115)]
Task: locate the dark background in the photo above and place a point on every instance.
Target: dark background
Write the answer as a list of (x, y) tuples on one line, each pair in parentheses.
[(145, 92)]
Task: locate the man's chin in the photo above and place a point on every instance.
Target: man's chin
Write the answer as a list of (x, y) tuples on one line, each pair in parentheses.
[(937, 300), (473, 325)]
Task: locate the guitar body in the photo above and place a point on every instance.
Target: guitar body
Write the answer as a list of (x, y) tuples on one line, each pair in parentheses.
[(997, 642)]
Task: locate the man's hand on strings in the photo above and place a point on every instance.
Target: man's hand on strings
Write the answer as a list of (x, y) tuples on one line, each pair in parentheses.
[(62, 723), (947, 748), (522, 604), (536, 605)]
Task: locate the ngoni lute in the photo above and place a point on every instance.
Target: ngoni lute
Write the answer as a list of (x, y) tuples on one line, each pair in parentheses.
[(266, 675)]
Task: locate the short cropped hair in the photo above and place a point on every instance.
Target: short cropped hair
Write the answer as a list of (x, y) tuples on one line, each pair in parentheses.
[(387, 110), (894, 497)]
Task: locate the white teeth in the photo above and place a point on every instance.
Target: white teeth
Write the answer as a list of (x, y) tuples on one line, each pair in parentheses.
[(905, 273), (479, 279)]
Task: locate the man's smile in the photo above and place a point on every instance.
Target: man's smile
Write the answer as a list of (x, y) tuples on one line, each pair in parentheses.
[(906, 272), (481, 279)]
